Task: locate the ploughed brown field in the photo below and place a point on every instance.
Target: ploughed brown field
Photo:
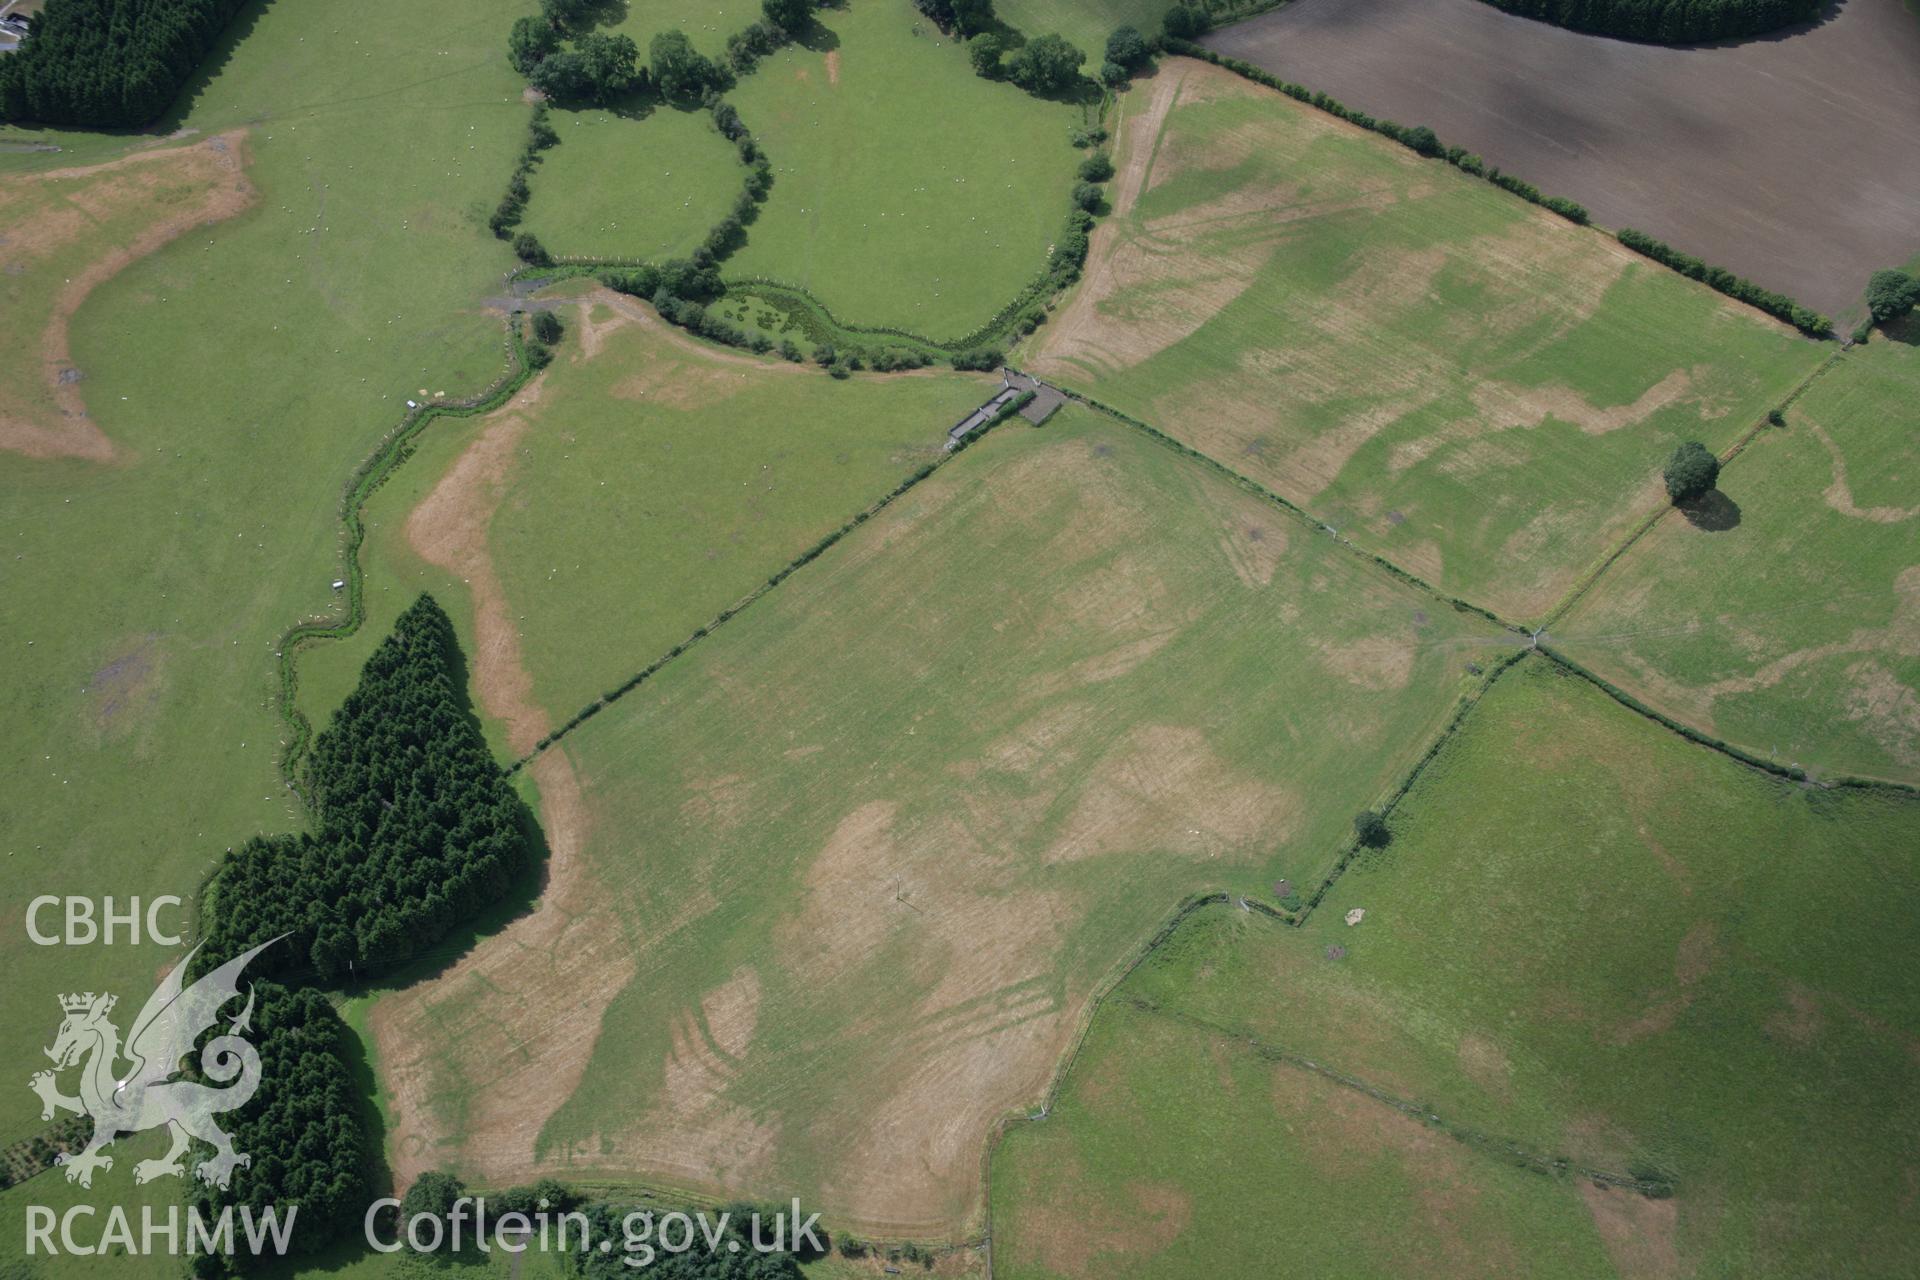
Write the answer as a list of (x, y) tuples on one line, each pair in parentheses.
[(1793, 159)]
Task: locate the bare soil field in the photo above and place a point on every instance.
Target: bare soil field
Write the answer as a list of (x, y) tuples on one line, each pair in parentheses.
[(1792, 160)]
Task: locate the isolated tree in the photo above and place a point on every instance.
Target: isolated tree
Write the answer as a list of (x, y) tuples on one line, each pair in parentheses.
[(1127, 47), (1370, 827), (547, 326), (791, 16), (971, 17), (985, 51), (1891, 294), (1046, 64), (679, 70), (529, 43), (1691, 471)]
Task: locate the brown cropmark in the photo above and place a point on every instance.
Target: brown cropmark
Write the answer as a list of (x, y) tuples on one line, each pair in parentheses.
[(493, 1028), (1071, 1232), (1165, 784), (1343, 1132), (1693, 959), (1839, 494), (179, 187), (1637, 1232)]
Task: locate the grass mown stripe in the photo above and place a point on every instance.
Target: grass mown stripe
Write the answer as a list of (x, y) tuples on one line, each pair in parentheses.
[(733, 610)]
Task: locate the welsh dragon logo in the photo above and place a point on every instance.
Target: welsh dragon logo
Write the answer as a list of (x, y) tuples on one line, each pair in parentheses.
[(148, 1095)]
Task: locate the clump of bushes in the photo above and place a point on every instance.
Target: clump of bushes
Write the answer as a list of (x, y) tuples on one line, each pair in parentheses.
[(1045, 65), (978, 360), (1892, 294), (1370, 829)]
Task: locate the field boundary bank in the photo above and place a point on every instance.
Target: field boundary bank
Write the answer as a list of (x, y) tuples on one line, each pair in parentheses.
[(1252, 486), (1789, 311), (1083, 1029), (1504, 1149), (394, 448), (1786, 772), (726, 615), (1608, 559)]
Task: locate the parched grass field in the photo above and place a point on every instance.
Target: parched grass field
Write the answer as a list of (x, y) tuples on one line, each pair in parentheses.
[(1786, 615), (1588, 937), (1459, 381), (643, 484), (625, 186), (239, 374), (830, 893), (907, 191)]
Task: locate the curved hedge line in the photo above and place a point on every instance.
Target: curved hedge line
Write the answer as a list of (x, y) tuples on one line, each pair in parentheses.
[(1666, 21)]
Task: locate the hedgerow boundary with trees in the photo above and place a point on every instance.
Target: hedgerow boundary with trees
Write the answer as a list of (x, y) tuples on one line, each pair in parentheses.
[(677, 70), (1422, 140)]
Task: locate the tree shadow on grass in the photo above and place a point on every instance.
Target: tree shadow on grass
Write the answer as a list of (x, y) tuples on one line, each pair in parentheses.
[(818, 38), (1712, 512), (1906, 329)]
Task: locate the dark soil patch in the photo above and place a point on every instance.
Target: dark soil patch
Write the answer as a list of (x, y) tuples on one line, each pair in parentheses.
[(1792, 160)]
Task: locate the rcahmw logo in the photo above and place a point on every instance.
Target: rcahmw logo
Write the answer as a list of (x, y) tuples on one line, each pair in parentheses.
[(148, 1096)]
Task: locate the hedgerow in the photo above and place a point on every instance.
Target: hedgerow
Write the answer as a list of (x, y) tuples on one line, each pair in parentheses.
[(1778, 305), (1422, 140)]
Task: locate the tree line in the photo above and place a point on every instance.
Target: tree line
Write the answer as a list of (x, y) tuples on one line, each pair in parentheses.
[(1667, 21), (109, 64)]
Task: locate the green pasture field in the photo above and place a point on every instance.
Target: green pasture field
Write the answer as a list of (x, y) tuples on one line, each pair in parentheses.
[(1785, 616), (1588, 937), (1178, 1150), (1457, 380), (245, 370), (648, 183), (657, 483), (907, 191), (865, 853)]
